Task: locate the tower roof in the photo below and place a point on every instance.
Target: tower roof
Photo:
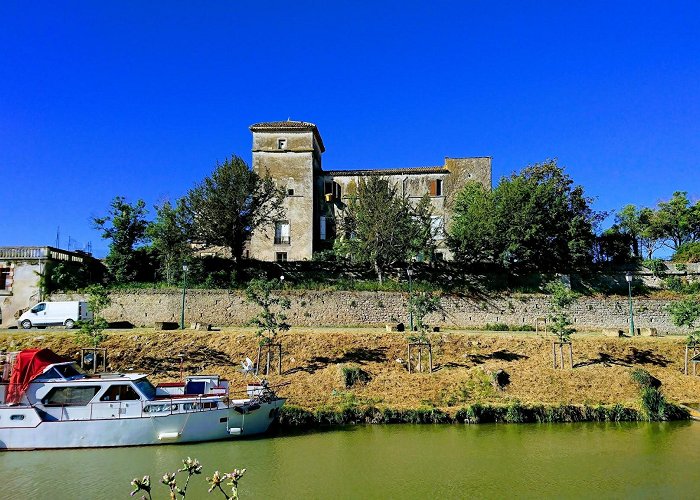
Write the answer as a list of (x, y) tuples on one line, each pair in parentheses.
[(289, 126)]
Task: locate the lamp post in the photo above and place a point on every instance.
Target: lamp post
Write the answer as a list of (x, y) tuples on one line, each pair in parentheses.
[(184, 289), (282, 281), (409, 272), (628, 277)]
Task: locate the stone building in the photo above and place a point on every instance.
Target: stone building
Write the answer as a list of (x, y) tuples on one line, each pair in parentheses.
[(290, 152), (21, 269)]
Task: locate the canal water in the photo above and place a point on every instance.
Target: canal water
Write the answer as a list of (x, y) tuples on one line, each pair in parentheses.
[(590, 460)]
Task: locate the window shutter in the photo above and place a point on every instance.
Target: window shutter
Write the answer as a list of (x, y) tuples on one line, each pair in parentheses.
[(433, 188)]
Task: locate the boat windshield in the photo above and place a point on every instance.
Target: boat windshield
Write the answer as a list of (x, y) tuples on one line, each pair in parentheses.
[(68, 371), (146, 388)]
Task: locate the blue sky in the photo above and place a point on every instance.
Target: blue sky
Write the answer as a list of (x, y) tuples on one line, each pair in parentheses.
[(141, 99)]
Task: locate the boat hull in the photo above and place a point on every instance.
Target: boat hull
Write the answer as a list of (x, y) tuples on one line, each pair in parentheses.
[(31, 432)]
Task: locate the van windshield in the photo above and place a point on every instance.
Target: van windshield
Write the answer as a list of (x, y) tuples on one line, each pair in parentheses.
[(38, 308)]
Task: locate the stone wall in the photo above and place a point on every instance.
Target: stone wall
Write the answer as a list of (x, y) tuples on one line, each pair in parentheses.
[(24, 292), (312, 308)]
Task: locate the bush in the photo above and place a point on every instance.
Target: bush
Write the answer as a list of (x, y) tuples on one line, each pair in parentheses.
[(653, 404), (674, 283), (656, 266), (353, 375), (522, 328), (497, 327), (515, 414), (641, 377)]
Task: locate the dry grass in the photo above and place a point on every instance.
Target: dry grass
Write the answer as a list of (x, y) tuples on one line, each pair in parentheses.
[(464, 363)]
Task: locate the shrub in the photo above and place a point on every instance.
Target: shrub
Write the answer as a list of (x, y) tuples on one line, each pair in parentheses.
[(674, 284), (515, 413), (497, 327), (656, 266), (522, 328), (353, 375), (653, 404), (641, 377)]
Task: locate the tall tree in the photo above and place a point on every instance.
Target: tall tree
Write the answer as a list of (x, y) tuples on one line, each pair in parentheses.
[(678, 221), (231, 204), (381, 228), (125, 225), (169, 237), (629, 221), (536, 220), (472, 231)]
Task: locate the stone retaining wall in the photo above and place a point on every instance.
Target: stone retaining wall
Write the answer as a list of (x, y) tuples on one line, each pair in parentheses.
[(315, 308)]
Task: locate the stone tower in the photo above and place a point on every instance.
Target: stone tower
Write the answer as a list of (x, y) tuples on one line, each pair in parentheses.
[(290, 152)]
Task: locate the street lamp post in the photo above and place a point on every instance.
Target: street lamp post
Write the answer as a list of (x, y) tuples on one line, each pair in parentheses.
[(184, 289), (409, 272), (628, 277)]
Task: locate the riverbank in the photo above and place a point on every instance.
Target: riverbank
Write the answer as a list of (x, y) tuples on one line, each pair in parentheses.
[(599, 386)]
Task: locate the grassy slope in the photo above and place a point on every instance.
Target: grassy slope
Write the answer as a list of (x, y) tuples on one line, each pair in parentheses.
[(464, 361)]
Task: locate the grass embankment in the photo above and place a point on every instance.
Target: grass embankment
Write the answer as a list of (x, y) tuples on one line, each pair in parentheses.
[(462, 387)]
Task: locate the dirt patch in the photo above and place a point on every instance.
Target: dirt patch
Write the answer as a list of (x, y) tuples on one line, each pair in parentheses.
[(464, 361)]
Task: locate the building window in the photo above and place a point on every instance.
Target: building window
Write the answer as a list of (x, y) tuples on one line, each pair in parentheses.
[(439, 256), (437, 227), (5, 281), (331, 191), (322, 228), (281, 256), (290, 192), (282, 233), (436, 187), (281, 143)]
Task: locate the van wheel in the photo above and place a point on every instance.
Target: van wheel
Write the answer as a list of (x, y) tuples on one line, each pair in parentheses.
[(26, 324), (69, 324)]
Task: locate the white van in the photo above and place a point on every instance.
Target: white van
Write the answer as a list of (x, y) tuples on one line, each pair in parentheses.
[(55, 313)]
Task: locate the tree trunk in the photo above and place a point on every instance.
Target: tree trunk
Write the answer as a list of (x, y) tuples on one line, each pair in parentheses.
[(378, 270)]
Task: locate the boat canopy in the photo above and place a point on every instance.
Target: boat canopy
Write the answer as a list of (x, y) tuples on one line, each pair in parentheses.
[(29, 364)]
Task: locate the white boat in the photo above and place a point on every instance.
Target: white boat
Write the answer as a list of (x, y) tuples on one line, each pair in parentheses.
[(49, 402)]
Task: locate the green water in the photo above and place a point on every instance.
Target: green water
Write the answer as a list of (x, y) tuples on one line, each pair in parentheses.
[(629, 460)]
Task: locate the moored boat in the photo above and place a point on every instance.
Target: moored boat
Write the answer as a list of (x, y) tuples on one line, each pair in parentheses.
[(49, 402)]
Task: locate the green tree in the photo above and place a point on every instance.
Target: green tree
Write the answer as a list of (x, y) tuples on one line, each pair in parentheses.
[(473, 227), (678, 221), (125, 227), (91, 331), (231, 204), (560, 300), (614, 246), (420, 305), (685, 313), (271, 319), (169, 237), (381, 228), (537, 220)]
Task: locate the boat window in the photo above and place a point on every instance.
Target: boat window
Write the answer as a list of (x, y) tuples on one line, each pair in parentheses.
[(17, 417), (72, 395), (159, 408), (146, 388), (121, 392), (68, 371), (199, 406), (49, 375)]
